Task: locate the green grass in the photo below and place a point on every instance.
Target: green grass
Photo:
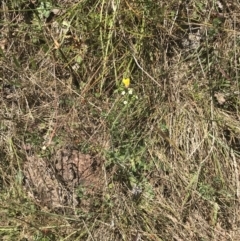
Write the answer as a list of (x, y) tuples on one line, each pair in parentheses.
[(167, 148)]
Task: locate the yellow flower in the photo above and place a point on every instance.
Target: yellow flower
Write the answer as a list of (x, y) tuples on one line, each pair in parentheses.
[(126, 82)]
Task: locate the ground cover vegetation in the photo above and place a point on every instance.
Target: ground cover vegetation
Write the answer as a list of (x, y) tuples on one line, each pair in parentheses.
[(119, 120)]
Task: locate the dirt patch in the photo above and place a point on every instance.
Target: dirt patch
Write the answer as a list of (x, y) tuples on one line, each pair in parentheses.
[(53, 183)]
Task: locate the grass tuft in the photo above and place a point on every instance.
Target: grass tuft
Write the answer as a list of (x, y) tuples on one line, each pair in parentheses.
[(144, 95)]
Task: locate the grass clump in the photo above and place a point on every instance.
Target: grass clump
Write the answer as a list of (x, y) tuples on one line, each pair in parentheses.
[(149, 90)]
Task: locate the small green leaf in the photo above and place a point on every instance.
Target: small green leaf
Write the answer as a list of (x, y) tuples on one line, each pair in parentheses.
[(79, 59)]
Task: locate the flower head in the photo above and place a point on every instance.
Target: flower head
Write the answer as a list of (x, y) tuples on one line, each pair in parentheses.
[(126, 82), (130, 91)]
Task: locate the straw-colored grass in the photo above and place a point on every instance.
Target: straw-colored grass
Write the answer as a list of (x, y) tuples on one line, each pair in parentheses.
[(167, 147)]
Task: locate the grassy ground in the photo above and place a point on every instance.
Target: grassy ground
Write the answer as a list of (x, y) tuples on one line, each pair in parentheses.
[(168, 145)]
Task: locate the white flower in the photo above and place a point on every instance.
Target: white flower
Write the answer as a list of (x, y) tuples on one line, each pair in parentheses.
[(130, 91), (136, 191), (123, 93), (125, 102)]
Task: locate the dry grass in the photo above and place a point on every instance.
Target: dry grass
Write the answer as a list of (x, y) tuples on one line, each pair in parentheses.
[(169, 158)]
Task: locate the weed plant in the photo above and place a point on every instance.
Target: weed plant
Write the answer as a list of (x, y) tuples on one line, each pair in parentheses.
[(150, 89)]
